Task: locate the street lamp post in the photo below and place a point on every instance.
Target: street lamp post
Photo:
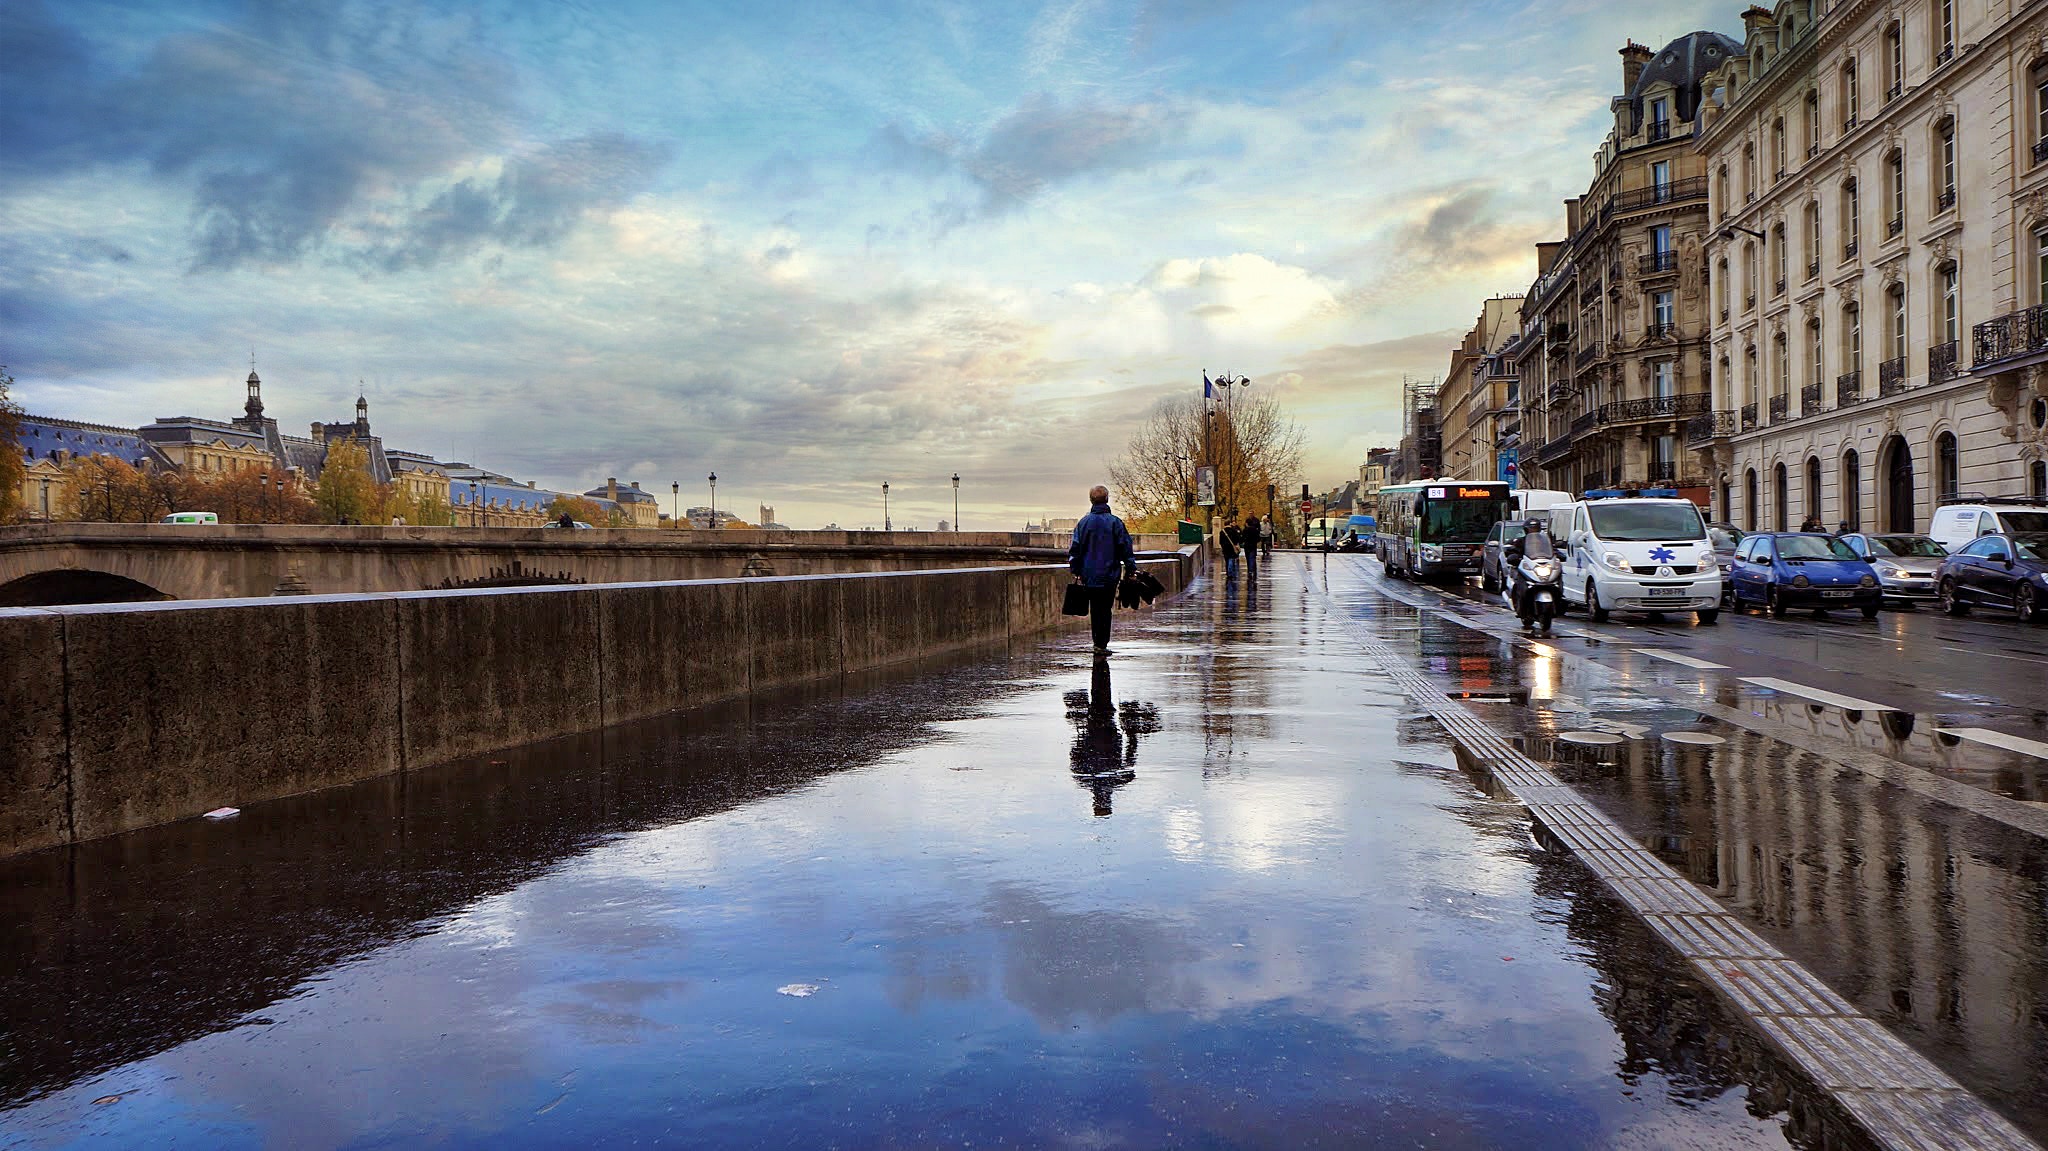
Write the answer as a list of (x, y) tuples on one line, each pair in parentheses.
[(885, 507), (475, 509), (1225, 382), (956, 503), (714, 499), (675, 504)]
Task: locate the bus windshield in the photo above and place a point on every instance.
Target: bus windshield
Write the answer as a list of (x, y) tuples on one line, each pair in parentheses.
[(1459, 521), (1645, 523)]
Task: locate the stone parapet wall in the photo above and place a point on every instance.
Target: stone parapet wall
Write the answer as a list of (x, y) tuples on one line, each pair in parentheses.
[(122, 716)]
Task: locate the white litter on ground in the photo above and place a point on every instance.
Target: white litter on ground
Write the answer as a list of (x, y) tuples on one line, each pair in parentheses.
[(797, 990), (224, 813)]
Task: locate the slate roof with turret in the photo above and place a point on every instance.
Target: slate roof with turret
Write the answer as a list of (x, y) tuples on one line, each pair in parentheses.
[(1683, 64)]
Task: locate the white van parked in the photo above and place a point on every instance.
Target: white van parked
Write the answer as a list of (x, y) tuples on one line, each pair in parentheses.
[(1956, 524), (1648, 555), (191, 518)]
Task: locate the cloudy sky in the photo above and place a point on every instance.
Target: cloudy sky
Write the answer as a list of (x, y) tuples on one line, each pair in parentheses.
[(809, 246)]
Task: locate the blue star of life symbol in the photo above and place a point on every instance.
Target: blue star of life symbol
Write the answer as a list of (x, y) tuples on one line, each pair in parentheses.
[(1663, 555)]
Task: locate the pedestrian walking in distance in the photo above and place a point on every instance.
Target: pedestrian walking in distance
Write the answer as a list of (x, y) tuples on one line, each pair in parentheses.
[(1266, 530), (1100, 555), (1251, 547), (1231, 540)]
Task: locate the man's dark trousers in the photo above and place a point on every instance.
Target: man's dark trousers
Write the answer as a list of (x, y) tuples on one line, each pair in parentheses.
[(1100, 601)]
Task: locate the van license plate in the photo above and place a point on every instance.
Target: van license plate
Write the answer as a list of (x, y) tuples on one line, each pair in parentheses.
[(1669, 592), (1838, 594)]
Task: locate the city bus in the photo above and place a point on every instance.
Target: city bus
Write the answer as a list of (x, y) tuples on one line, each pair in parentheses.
[(1437, 528)]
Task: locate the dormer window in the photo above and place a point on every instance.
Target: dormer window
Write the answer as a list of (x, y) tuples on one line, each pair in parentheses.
[(1660, 119)]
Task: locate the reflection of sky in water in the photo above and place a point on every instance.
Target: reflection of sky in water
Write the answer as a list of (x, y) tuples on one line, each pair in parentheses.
[(1315, 945)]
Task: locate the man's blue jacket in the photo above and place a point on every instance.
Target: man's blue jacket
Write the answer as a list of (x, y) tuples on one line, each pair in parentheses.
[(1102, 549)]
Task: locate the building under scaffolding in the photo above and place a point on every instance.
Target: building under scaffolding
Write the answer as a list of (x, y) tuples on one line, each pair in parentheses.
[(1421, 453)]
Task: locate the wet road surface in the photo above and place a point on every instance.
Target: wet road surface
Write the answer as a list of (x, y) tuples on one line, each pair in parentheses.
[(1930, 917), (1227, 891)]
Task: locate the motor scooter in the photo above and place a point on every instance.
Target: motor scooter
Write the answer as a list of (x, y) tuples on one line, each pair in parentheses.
[(1536, 586)]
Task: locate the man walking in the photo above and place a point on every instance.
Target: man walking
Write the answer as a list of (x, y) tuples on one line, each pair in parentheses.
[(1100, 554), (1251, 547)]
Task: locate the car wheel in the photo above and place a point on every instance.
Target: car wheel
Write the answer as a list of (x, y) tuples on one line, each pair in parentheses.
[(1949, 602), (1487, 583), (2025, 606), (1773, 603), (1709, 616), (1593, 608)]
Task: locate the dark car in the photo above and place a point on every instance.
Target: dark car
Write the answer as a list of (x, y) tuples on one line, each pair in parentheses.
[(1492, 566), (1784, 570), (1997, 571), (1725, 538)]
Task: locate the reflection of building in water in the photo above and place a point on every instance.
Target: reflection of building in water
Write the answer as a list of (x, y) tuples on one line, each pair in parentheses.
[(1105, 752), (1927, 917)]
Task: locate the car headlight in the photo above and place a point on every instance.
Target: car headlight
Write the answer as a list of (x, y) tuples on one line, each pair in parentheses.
[(1616, 560), (1893, 573), (1432, 553), (1868, 581), (1800, 581)]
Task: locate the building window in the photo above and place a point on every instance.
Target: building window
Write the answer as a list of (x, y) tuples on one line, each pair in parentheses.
[(1852, 490), (1894, 63), (2037, 481), (1660, 179), (1721, 188), (1778, 254), (1721, 276), (1660, 239), (1895, 297), (1945, 169), (1750, 383), (1813, 507), (1660, 119), (1951, 305), (1663, 313), (1850, 107), (1895, 191), (1852, 337), (1852, 219), (2039, 78), (1813, 353), (2041, 265), (1944, 31), (1778, 148), (1812, 240), (1664, 379), (1947, 467), (1812, 124), (1749, 274), (1781, 351), (1781, 494), (1749, 500), (1749, 170)]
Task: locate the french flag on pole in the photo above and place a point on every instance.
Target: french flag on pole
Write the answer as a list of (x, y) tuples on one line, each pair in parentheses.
[(1208, 389)]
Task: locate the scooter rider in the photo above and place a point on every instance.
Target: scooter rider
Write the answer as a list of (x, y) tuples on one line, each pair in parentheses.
[(1535, 544)]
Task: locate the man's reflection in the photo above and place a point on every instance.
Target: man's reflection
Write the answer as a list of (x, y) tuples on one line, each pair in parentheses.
[(1105, 752)]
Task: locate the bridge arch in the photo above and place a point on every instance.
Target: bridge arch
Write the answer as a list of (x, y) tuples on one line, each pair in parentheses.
[(55, 587)]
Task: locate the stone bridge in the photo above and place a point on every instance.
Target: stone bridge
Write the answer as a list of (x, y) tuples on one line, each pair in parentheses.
[(70, 563)]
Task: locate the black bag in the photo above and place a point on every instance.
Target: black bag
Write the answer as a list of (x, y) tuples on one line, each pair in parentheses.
[(1077, 599), (1149, 586)]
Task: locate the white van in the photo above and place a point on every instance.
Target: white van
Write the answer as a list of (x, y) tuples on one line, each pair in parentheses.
[(191, 518), (1530, 501), (1638, 555), (1958, 523)]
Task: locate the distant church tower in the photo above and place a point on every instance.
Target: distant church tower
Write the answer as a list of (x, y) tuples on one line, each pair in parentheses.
[(254, 406), (362, 418)]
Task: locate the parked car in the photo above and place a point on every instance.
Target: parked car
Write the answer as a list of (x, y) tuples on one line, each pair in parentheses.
[(1959, 521), (1783, 570), (1725, 538), (1997, 571), (1905, 564), (1640, 555), (1493, 566)]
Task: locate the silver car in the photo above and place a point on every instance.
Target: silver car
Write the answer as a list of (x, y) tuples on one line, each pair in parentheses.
[(1905, 564)]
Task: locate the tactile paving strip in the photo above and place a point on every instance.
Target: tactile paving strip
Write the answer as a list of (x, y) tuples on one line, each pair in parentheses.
[(1899, 1098)]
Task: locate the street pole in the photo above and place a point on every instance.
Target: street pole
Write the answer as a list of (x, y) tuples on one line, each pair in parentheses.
[(714, 499), (675, 504), (885, 507), (956, 503)]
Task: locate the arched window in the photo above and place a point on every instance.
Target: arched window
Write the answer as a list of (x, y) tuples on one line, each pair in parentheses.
[(1852, 219), (1895, 192), (1851, 108), (1781, 494), (1947, 467), (2037, 481), (1813, 507), (1749, 500), (1894, 63), (1852, 490)]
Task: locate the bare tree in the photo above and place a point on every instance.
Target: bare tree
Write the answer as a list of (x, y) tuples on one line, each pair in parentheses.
[(1252, 441)]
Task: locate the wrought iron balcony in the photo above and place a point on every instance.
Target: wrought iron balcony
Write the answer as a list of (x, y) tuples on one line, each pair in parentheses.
[(1894, 226), (1941, 362), (1749, 302), (1848, 389), (1849, 250), (1672, 192), (1724, 315), (1705, 428), (2041, 149), (1655, 408), (1560, 391), (1849, 124), (1749, 417), (1946, 200), (1809, 400), (1813, 149), (1660, 130), (1779, 406), (1614, 275), (1947, 53), (1778, 286), (1584, 423), (1663, 473), (1660, 332), (1587, 355), (1778, 177), (2010, 336), (1891, 376), (1657, 262), (1894, 92)]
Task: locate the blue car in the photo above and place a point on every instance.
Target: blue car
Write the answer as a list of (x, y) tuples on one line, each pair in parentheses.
[(1784, 570)]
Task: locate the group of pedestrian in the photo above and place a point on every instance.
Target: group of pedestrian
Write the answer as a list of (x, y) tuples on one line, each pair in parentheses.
[(1252, 539)]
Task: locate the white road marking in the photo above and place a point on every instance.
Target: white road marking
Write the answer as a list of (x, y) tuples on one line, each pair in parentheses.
[(1970, 651), (1847, 702), (1985, 735), (1683, 660)]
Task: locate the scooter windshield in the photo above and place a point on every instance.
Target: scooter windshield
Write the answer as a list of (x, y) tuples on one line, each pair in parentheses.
[(1536, 546)]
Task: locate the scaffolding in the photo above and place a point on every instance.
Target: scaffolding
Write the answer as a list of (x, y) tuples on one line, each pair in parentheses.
[(1421, 452)]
